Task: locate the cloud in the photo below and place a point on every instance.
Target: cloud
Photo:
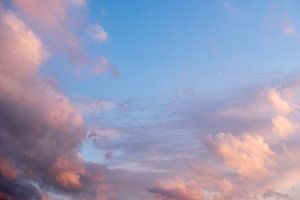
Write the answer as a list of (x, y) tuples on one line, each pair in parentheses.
[(276, 195), (248, 154), (98, 33), (49, 14), (80, 3), (104, 66), (89, 106), (6, 170), (40, 130), (18, 190), (282, 126), (179, 189), (279, 104), (17, 40), (59, 23), (252, 162), (289, 28)]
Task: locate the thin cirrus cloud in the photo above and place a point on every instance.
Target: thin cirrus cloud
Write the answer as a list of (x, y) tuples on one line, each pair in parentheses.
[(251, 165), (221, 155), (170, 149), (90, 106)]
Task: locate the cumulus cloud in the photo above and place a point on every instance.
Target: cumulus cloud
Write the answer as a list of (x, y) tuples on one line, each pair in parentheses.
[(248, 154), (46, 13), (279, 104), (253, 165), (58, 22), (40, 130)]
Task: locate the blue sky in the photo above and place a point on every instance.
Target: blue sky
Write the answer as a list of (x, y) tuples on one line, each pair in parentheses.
[(195, 45), (154, 100)]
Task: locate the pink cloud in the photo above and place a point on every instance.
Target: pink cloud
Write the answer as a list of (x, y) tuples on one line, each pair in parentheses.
[(98, 33), (289, 28), (248, 155), (104, 66), (283, 126), (178, 189), (48, 128), (279, 104)]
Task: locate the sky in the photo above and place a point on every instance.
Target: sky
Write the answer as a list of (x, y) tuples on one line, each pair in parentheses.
[(153, 100)]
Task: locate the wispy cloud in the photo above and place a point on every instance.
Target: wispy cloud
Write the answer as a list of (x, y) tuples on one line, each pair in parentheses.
[(104, 66), (220, 152), (192, 148), (98, 33), (289, 28)]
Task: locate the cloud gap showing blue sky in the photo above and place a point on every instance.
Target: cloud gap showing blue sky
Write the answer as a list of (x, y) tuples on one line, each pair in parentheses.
[(154, 100)]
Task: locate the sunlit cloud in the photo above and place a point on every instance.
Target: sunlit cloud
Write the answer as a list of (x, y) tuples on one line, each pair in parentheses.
[(61, 142)]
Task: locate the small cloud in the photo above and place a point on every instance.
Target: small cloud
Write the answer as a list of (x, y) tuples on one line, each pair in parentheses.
[(104, 66), (289, 28), (98, 33)]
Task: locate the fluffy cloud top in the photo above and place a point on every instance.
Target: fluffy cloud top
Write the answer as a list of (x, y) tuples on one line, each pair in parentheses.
[(248, 154), (40, 130)]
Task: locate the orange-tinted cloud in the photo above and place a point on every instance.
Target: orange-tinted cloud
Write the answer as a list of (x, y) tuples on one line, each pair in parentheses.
[(249, 155), (7, 170), (178, 189)]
